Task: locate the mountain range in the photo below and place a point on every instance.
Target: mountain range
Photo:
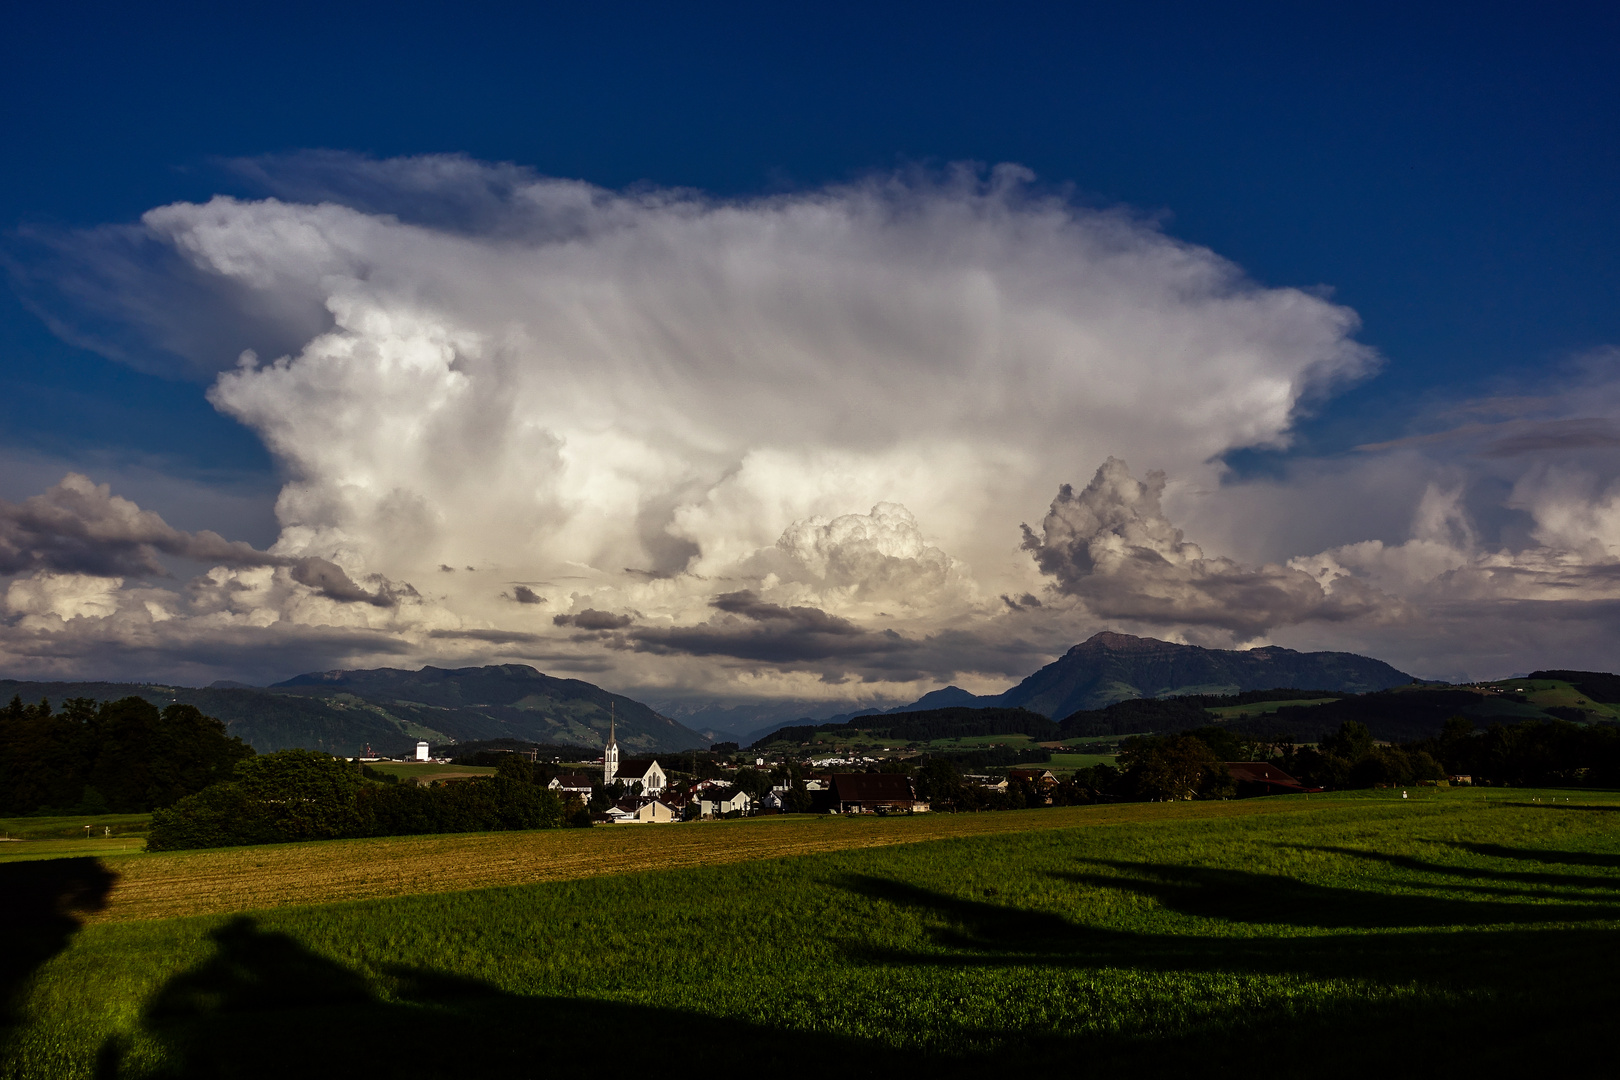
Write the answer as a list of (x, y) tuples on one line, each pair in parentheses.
[(1107, 668), (390, 709)]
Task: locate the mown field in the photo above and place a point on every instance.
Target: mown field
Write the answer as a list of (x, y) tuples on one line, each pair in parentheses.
[(1362, 933)]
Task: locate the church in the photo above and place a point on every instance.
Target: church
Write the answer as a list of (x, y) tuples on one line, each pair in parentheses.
[(643, 771)]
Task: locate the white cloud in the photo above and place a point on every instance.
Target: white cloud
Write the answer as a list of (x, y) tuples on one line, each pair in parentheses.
[(64, 596), (635, 403)]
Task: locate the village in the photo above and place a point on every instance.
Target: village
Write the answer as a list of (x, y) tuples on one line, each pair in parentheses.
[(641, 790)]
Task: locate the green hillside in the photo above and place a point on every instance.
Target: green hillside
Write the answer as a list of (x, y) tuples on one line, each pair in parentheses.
[(341, 712)]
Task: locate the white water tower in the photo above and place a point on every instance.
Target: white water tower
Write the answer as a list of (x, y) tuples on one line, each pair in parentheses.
[(421, 751)]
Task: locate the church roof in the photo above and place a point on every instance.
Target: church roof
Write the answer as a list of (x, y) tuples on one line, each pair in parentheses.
[(636, 766)]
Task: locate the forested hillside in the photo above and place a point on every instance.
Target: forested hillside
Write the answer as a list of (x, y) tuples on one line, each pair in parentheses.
[(342, 712)]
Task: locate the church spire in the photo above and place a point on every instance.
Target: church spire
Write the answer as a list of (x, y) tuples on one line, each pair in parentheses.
[(610, 756)]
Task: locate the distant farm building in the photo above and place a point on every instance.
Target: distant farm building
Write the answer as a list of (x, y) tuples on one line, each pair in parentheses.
[(720, 803), (1259, 778), (566, 784), (421, 751), (870, 793), (1039, 777)]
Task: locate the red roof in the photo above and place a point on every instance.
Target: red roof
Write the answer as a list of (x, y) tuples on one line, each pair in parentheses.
[(1259, 772)]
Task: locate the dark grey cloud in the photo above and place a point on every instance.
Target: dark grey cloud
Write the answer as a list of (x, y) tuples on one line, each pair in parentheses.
[(330, 580), (591, 619), (1112, 547), (494, 637), (80, 527), (1576, 433), (525, 595), (807, 620), (1027, 602)]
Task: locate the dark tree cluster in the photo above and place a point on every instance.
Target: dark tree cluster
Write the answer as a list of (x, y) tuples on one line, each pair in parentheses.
[(117, 756), (306, 795)]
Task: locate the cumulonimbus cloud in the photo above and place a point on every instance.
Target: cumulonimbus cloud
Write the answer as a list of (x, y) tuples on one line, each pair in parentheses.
[(831, 406)]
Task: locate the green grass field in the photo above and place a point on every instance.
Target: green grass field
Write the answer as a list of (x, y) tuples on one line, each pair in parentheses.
[(1465, 932), (26, 839), (1261, 708), (1061, 761)]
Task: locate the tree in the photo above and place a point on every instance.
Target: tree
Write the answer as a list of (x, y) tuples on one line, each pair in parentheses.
[(1352, 741), (121, 755), (753, 781), (1171, 769)]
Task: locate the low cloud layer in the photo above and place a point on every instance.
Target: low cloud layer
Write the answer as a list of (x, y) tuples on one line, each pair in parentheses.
[(771, 446)]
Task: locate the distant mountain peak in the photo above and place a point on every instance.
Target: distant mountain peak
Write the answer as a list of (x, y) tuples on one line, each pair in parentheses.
[(1116, 642), (1110, 666)]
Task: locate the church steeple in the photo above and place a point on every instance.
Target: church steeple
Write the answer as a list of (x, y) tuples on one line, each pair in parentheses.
[(610, 756)]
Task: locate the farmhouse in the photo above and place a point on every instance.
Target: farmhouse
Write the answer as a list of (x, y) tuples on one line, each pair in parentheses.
[(642, 812), (871, 793), (1259, 778), (566, 784), (718, 803), (1041, 777)]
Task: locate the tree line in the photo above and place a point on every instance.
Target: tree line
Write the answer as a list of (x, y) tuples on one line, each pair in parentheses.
[(120, 756), (307, 795)]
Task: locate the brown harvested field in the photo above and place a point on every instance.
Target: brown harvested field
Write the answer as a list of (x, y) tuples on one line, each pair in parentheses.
[(170, 884)]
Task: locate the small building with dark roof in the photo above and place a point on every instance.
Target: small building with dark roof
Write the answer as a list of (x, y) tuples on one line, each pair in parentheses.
[(567, 784), (870, 793)]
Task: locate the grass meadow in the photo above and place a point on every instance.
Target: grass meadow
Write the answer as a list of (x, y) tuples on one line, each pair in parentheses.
[(1451, 931)]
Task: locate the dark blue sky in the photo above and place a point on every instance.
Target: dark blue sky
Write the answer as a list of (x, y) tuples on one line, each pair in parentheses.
[(1450, 172)]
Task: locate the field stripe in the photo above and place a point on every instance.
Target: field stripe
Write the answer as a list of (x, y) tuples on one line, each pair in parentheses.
[(168, 885)]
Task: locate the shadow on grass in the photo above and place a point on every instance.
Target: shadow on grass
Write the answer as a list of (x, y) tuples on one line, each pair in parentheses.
[(1485, 991), (265, 1006), (1540, 855), (1241, 896), (40, 907), (1476, 873)]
